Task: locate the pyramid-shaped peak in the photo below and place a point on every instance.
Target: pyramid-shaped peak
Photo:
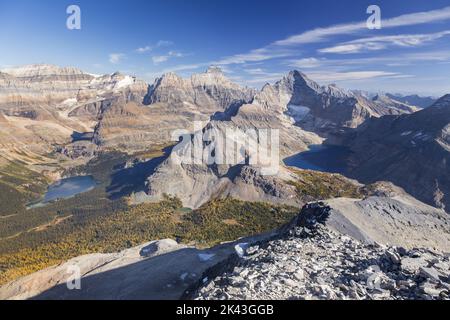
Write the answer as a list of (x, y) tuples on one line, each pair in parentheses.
[(299, 75), (443, 102), (170, 75), (169, 79), (298, 78), (214, 69)]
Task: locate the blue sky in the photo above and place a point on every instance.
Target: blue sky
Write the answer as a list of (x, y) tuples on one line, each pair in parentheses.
[(253, 41)]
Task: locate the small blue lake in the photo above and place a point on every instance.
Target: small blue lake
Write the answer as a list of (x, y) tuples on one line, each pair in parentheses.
[(66, 188), (321, 158)]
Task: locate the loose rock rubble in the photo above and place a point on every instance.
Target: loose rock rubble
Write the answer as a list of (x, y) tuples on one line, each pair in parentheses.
[(315, 262)]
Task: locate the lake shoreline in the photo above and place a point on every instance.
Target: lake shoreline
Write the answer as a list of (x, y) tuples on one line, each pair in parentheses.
[(322, 158), (65, 188)]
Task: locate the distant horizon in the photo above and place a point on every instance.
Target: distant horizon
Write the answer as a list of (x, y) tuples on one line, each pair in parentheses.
[(5, 70), (253, 42)]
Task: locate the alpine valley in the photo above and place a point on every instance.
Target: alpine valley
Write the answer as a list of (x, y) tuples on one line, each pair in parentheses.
[(90, 176)]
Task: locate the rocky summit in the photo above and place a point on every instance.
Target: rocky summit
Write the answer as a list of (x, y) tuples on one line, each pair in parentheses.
[(314, 262)]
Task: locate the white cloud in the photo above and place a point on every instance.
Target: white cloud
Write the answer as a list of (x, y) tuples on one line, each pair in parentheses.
[(343, 48), (306, 63), (115, 58), (346, 76), (259, 76), (144, 49), (282, 48), (185, 67), (159, 44), (428, 56), (254, 71), (393, 60), (163, 43), (265, 79), (176, 54), (159, 59), (320, 34), (252, 56), (335, 68), (279, 49), (166, 57), (382, 42)]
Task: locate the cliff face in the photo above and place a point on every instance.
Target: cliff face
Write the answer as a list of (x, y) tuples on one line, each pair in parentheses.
[(209, 91), (412, 151), (327, 109), (171, 103), (43, 105)]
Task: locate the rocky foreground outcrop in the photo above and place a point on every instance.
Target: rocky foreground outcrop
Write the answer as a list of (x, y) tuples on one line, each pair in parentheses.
[(314, 262), (328, 252)]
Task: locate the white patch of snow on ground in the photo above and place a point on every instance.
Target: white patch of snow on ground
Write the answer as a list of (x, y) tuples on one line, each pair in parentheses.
[(418, 134), (205, 256), (240, 249), (183, 276), (298, 112), (406, 133), (421, 136), (95, 75), (125, 82), (70, 102)]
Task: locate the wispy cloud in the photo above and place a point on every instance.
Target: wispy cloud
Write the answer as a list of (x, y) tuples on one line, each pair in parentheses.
[(115, 58), (255, 55), (159, 59), (255, 71), (260, 76), (382, 42), (163, 58), (349, 76), (436, 55), (320, 34), (306, 63), (282, 48), (144, 49), (159, 44), (326, 76), (393, 60)]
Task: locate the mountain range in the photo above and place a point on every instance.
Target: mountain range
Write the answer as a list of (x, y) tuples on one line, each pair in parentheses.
[(411, 151), (44, 108), (60, 122)]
